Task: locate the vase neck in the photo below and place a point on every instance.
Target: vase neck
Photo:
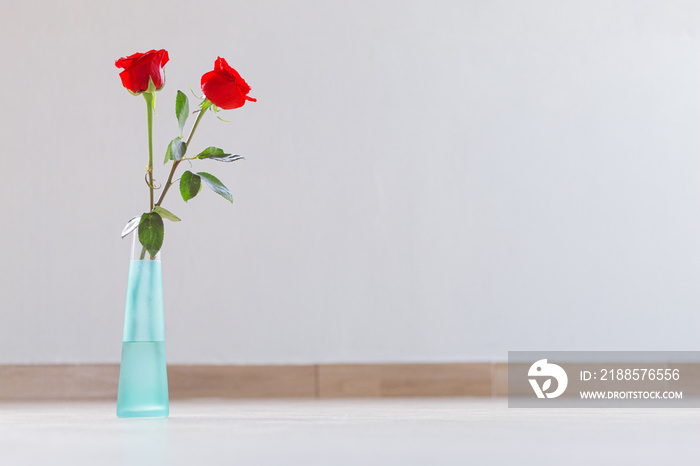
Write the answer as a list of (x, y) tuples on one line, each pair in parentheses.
[(137, 250)]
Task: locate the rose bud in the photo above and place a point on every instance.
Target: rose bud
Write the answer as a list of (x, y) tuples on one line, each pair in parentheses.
[(224, 87), (140, 68)]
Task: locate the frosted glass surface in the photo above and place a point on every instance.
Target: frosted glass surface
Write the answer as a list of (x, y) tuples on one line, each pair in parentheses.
[(143, 380), (143, 320), (143, 377)]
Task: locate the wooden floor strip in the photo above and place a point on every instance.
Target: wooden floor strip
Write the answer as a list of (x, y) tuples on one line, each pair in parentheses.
[(59, 382), (241, 381), (391, 380), (100, 381)]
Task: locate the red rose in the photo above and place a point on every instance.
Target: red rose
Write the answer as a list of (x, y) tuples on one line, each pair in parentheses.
[(225, 87), (140, 67)]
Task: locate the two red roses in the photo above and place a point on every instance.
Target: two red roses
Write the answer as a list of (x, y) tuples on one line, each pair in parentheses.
[(223, 86)]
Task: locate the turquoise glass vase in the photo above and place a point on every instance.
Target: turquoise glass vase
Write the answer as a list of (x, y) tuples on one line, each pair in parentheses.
[(143, 376)]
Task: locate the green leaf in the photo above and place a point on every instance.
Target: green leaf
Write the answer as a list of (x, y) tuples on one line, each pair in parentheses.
[(168, 153), (216, 186), (190, 185), (166, 214), (217, 154), (151, 232), (182, 109), (176, 150), (210, 152)]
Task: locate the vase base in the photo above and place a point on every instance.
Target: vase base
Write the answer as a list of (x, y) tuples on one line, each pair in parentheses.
[(143, 380), (147, 413)]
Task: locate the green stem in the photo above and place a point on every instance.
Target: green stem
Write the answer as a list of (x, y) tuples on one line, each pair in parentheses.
[(205, 106), (149, 106)]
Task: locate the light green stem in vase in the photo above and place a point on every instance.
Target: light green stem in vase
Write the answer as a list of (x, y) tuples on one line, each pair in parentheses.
[(149, 96)]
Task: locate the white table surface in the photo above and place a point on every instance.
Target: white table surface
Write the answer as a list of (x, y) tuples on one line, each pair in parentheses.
[(346, 432)]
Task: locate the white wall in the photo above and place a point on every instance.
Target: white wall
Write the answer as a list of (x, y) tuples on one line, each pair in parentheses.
[(425, 180)]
